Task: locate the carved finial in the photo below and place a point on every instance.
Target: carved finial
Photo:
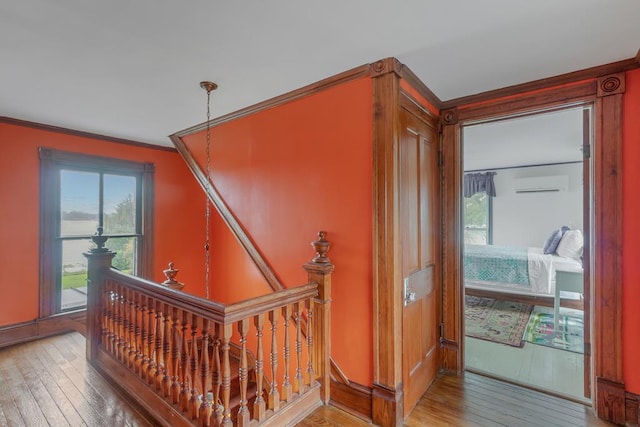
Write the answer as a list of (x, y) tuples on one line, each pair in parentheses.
[(171, 274), (321, 246), (99, 240)]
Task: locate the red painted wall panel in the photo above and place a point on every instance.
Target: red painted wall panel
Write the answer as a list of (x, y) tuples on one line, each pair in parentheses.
[(631, 233), (290, 171)]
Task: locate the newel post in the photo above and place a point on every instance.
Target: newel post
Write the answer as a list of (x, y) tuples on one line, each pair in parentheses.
[(319, 270), (99, 260)]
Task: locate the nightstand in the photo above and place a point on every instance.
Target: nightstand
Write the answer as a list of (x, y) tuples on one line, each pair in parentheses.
[(568, 281)]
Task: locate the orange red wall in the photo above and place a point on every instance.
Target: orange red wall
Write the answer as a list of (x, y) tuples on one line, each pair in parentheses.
[(298, 168), (631, 233), (178, 220)]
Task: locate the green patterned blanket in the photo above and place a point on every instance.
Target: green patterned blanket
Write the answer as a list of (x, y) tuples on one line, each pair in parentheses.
[(496, 264)]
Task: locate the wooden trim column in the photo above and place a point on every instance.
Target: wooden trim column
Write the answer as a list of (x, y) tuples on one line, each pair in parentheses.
[(387, 396), (453, 326), (99, 260), (610, 392), (319, 270)]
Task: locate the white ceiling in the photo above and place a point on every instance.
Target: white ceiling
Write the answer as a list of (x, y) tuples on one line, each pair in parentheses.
[(130, 69), (551, 137)]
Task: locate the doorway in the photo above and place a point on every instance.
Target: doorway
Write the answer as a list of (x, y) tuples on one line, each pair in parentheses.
[(525, 225)]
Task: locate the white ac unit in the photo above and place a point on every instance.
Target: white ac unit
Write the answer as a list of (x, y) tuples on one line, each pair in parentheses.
[(541, 184)]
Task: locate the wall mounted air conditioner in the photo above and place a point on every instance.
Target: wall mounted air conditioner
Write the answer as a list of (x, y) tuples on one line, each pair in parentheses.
[(541, 184)]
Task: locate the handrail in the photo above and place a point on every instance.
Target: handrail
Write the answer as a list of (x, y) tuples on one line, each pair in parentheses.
[(216, 311)]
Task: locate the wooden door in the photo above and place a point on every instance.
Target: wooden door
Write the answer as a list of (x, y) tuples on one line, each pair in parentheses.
[(419, 245)]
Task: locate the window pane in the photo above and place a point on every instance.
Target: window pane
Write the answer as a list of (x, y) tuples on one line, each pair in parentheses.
[(74, 273), (126, 249), (79, 195), (119, 204), (475, 237), (476, 219)]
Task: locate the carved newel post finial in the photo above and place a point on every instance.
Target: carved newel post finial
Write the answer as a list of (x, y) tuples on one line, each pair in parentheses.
[(171, 274), (99, 240), (321, 246)]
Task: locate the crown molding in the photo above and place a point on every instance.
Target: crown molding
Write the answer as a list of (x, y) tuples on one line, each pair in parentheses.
[(82, 134), (587, 73)]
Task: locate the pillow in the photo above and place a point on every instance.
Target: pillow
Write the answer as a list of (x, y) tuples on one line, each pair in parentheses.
[(551, 244), (571, 245)]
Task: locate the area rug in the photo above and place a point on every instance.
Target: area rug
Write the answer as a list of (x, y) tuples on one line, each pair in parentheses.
[(494, 320), (569, 336)]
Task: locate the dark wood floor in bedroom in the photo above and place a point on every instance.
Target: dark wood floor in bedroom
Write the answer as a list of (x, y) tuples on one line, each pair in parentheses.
[(49, 382)]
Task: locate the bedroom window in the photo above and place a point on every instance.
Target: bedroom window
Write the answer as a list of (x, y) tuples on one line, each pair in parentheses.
[(78, 194), (477, 219)]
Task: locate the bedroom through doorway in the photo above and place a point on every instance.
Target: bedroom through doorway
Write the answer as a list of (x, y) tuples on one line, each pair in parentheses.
[(526, 233)]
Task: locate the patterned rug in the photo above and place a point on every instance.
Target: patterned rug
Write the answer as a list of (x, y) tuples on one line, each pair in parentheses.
[(570, 334), (494, 320)]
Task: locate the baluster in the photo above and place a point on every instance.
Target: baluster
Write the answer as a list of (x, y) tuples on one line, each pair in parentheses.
[(259, 405), (243, 412), (138, 318), (111, 343), (151, 339), (119, 323), (175, 356), (124, 308), (274, 397), (159, 347), (287, 391), (205, 406), (106, 309), (299, 384), (166, 351), (216, 379), (131, 339), (193, 400), (184, 365), (309, 304), (144, 336), (227, 331)]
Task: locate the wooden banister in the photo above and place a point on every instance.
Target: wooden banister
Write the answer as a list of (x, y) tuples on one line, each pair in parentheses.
[(319, 270), (199, 359)]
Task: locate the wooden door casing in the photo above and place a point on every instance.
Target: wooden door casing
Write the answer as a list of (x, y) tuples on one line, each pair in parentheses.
[(419, 248)]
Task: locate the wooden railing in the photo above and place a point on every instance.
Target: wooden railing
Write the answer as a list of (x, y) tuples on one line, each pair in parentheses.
[(191, 361)]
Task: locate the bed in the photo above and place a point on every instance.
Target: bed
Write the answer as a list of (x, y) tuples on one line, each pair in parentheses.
[(514, 269)]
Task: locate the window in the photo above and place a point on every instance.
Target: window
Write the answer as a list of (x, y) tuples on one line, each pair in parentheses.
[(477, 219), (78, 193)]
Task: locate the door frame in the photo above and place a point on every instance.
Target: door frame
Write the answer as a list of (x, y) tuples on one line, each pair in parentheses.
[(605, 94), (587, 143)]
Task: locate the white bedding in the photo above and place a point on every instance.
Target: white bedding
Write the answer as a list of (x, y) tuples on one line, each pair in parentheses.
[(542, 276), (540, 271)]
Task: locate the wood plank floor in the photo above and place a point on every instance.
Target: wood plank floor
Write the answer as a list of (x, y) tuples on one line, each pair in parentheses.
[(49, 383), (473, 400)]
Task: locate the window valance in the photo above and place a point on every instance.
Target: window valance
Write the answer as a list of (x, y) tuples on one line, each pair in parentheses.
[(478, 182)]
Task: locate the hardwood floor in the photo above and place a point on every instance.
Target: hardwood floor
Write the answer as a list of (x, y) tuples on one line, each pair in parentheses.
[(48, 382)]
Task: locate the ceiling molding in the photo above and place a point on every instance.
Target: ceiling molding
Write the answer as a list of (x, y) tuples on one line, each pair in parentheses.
[(587, 73), (82, 134), (384, 66), (575, 94), (413, 80)]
